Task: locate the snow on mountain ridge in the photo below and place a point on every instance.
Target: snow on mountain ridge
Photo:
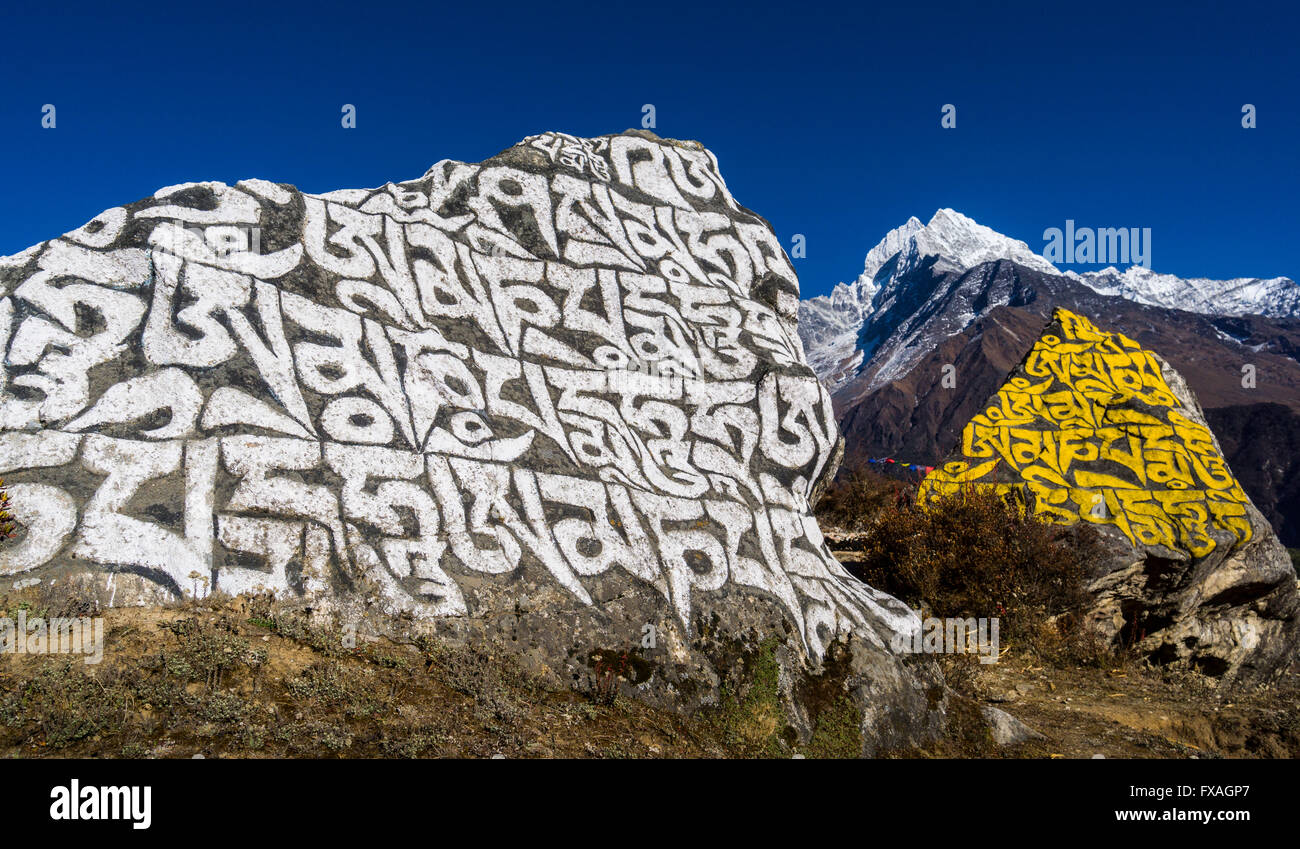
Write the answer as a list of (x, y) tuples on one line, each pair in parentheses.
[(964, 244), (1276, 297), (851, 298), (893, 242), (830, 325), (959, 242)]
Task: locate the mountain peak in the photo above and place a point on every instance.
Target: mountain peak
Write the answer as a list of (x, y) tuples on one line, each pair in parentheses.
[(959, 241), (945, 214), (830, 326), (885, 249), (962, 243)]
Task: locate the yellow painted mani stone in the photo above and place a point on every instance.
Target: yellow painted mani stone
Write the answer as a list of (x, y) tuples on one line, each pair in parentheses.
[(1089, 429)]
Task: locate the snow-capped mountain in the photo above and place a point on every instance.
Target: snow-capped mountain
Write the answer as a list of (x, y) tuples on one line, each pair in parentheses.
[(942, 312), (837, 329), (830, 324), (1277, 297)]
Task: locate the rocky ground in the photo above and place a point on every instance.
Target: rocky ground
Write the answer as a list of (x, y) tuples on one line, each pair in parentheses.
[(236, 678), (247, 680), (1126, 712), (1113, 705)]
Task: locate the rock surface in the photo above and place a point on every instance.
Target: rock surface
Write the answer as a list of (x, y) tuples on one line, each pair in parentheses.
[(1093, 428), (1006, 729), (553, 401)]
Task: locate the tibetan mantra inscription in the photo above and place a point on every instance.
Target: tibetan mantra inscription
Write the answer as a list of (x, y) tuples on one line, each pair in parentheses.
[(1090, 427), (577, 358)]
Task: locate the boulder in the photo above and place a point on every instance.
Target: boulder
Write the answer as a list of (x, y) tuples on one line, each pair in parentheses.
[(553, 402), (1091, 428), (1005, 729)]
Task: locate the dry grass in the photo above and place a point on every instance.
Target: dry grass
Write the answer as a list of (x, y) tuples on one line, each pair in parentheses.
[(251, 678)]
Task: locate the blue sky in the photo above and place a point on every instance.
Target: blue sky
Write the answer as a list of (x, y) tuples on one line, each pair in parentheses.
[(826, 120)]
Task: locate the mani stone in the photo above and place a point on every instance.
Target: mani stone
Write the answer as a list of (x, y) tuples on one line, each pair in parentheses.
[(554, 401), (1094, 429)]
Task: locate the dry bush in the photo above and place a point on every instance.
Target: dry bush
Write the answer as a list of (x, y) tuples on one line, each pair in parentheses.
[(851, 502), (977, 554)]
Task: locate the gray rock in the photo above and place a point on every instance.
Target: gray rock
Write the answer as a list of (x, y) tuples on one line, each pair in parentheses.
[(1006, 729), (552, 404)]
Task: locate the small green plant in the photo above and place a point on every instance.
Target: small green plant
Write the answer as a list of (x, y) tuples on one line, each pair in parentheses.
[(329, 688), (62, 704), (205, 650), (836, 733), (750, 715)]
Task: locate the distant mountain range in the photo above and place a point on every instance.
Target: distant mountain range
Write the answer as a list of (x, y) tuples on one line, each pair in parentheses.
[(953, 293)]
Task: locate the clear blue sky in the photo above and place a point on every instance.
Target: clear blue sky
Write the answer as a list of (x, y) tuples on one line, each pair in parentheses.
[(826, 121)]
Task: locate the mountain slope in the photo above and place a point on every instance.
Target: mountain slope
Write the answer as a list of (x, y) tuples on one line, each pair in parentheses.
[(838, 329), (1278, 297), (830, 325), (937, 338)]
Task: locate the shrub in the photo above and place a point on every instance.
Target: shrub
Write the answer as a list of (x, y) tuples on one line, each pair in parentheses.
[(60, 704), (851, 502), (206, 650), (977, 554)]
